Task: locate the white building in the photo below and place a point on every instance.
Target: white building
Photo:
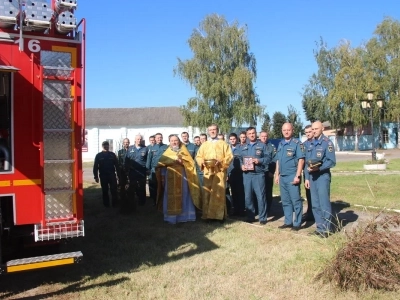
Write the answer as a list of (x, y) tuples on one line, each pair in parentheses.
[(115, 124)]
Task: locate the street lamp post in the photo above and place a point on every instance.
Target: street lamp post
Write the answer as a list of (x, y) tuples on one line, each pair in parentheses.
[(367, 105)]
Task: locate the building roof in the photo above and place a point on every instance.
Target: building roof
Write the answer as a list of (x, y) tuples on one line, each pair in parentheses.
[(133, 117)]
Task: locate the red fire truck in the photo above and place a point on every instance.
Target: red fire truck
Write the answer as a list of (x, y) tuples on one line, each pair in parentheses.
[(42, 89)]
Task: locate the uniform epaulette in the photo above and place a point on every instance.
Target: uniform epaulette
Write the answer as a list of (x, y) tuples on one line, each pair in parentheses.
[(326, 139), (295, 140)]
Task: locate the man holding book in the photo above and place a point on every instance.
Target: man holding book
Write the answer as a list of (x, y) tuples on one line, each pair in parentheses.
[(320, 158)]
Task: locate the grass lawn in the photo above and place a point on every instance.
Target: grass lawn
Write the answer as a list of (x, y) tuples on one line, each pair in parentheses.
[(393, 165), (376, 190), (138, 256)]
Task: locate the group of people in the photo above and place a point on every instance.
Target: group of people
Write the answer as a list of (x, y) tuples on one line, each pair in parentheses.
[(185, 177)]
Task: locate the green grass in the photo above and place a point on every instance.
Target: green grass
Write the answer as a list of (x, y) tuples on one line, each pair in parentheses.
[(393, 165), (138, 256), (376, 190)]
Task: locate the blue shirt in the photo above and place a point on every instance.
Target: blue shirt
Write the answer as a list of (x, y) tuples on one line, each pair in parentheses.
[(136, 159), (256, 150), (235, 166), (191, 148), (288, 155), (272, 152), (154, 155), (320, 149)]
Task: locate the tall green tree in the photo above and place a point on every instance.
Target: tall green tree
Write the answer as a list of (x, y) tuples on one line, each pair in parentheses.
[(315, 92), (335, 91), (278, 119), (223, 72), (314, 101), (294, 118), (384, 60), (267, 124)]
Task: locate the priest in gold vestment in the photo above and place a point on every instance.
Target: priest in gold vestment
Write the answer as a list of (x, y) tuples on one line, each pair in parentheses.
[(214, 157), (178, 185)]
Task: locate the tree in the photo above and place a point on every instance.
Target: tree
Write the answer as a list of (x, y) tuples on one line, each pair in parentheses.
[(335, 91), (384, 58), (315, 102), (278, 119), (223, 72), (294, 119), (267, 124)]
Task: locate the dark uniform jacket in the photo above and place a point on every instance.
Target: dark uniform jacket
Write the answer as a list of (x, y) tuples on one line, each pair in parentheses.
[(288, 155), (105, 163), (154, 155), (135, 160), (256, 150), (320, 150), (121, 158), (192, 149), (235, 168)]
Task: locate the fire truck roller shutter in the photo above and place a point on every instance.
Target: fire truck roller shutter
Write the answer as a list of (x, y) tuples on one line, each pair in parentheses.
[(8, 69)]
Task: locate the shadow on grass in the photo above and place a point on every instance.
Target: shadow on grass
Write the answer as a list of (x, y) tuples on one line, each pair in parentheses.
[(340, 217), (117, 243), (72, 288)]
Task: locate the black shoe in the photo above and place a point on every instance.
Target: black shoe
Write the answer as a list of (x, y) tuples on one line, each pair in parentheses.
[(307, 218), (263, 223), (295, 228), (320, 234), (250, 221), (284, 226)]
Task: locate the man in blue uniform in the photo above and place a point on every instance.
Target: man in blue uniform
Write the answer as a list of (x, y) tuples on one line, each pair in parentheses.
[(235, 177), (242, 138), (135, 162), (123, 178), (254, 158), (106, 163), (308, 215), (152, 141), (189, 146), (320, 159), (196, 141), (269, 170), (153, 157), (289, 166)]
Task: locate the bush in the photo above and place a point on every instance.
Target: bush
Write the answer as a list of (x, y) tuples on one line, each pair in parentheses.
[(370, 258)]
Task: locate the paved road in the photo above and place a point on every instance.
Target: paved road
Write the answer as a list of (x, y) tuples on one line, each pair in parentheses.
[(365, 155)]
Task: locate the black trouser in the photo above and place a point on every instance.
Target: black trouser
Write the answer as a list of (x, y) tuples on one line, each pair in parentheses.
[(153, 186), (269, 184), (137, 185), (237, 191), (123, 180), (109, 181), (309, 212)]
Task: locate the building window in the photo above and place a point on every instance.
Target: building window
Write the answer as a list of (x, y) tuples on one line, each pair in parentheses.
[(385, 136), (111, 148)]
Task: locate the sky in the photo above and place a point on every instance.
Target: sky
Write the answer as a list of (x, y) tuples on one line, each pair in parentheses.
[(133, 46)]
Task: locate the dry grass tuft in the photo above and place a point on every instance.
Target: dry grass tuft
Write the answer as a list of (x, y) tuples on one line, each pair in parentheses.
[(369, 259)]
